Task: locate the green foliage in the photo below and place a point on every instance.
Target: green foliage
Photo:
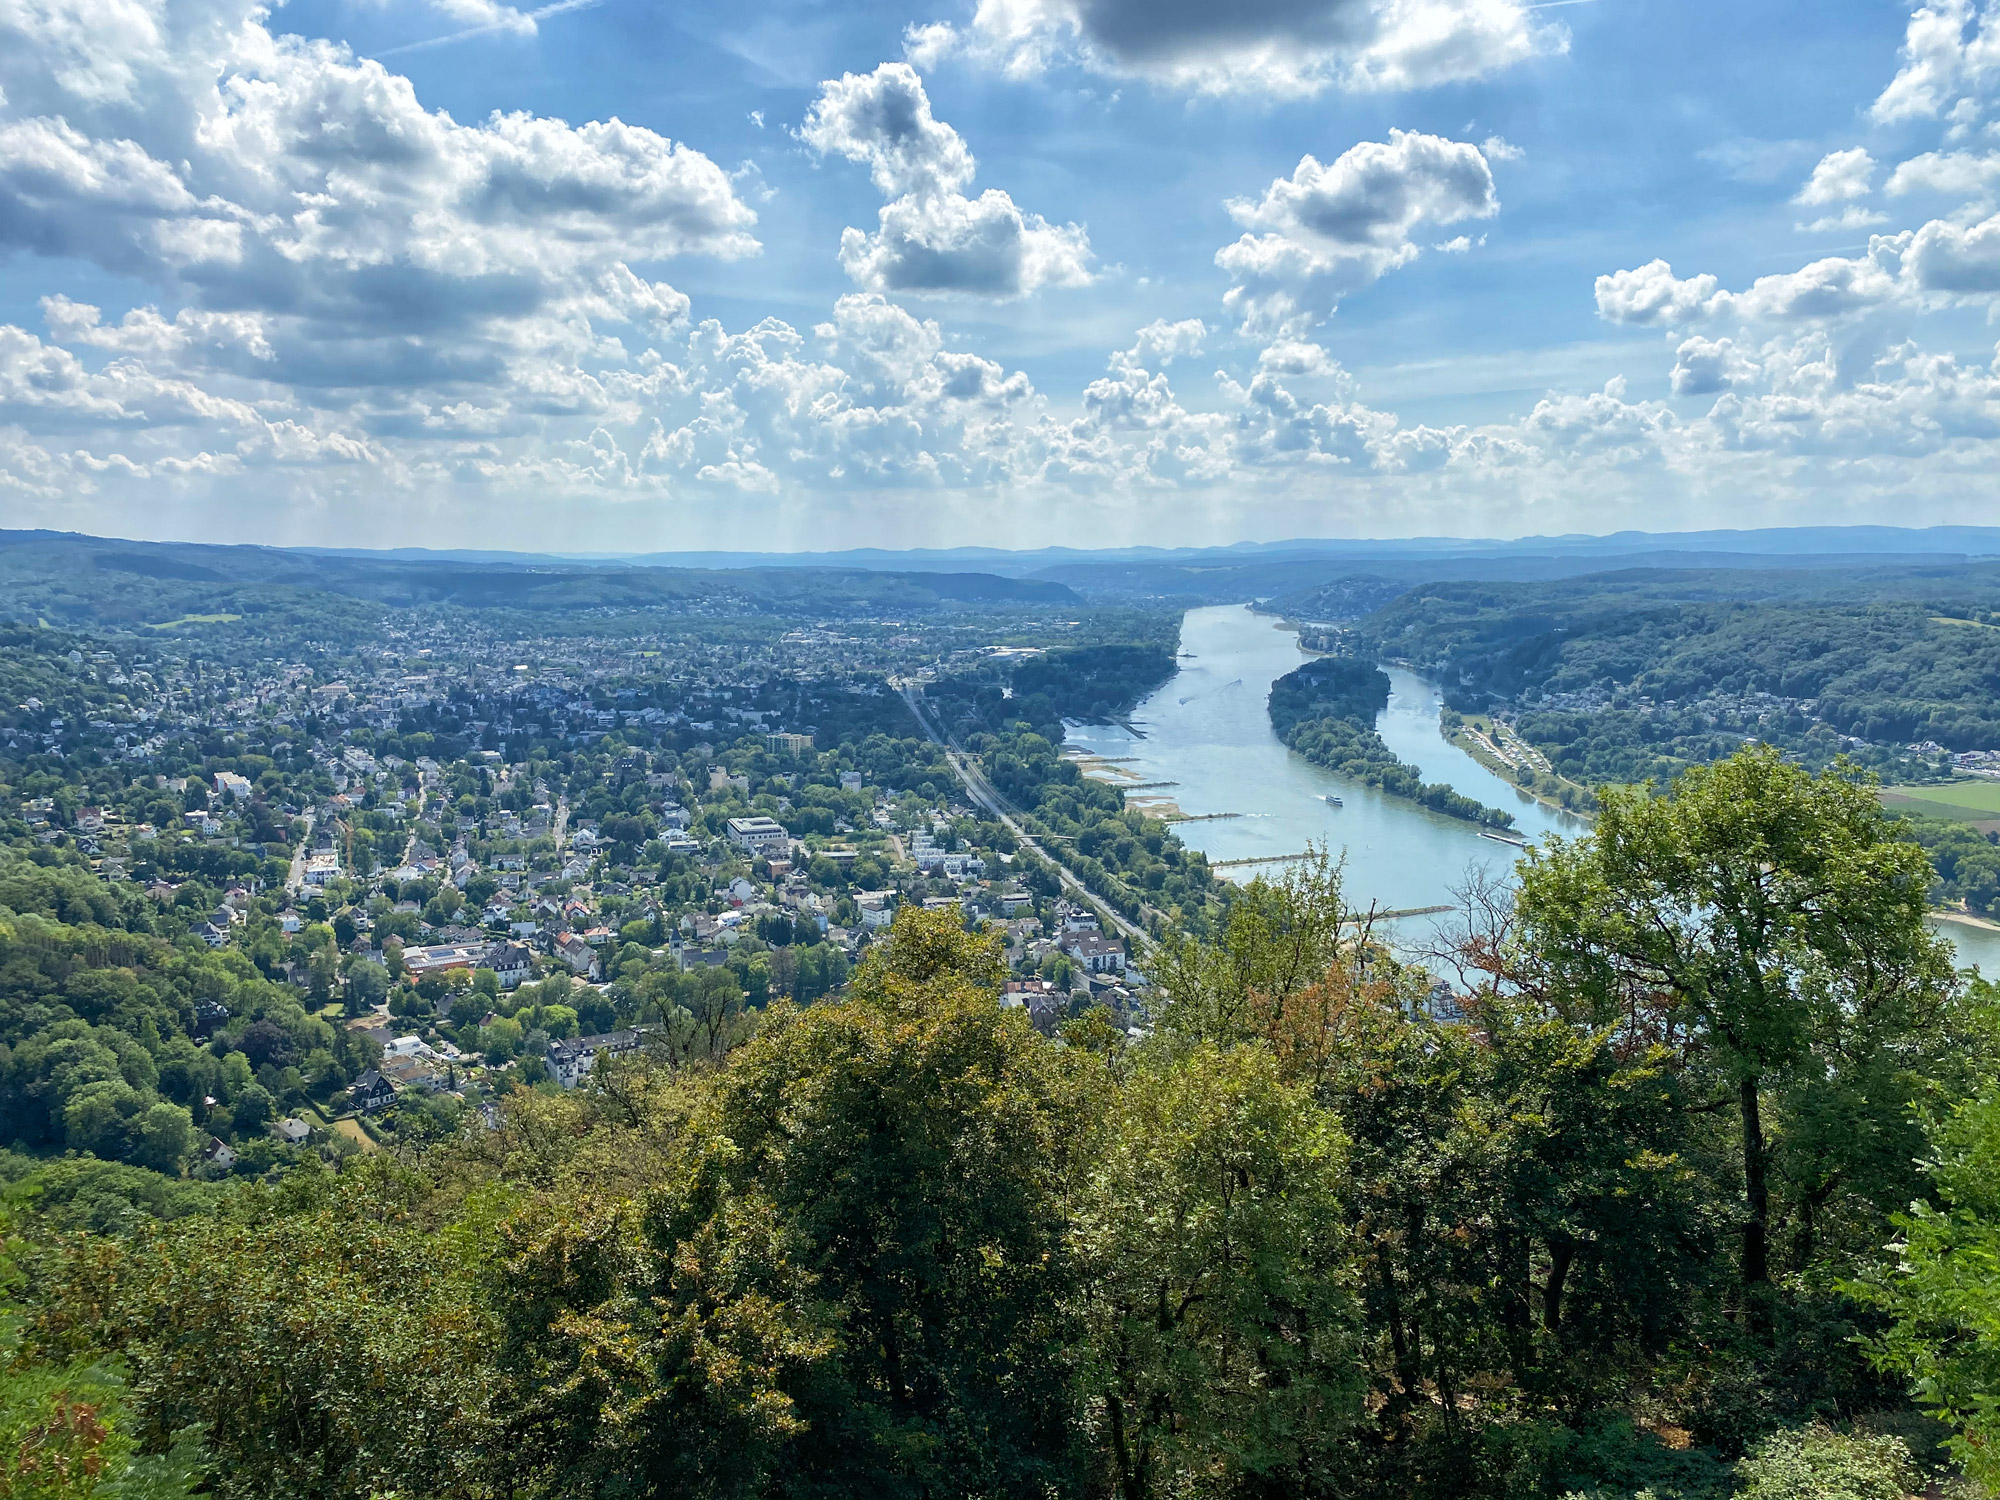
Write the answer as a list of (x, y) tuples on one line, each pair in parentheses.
[(1335, 1230), (1818, 1463), (1216, 1286), (1125, 858), (318, 1344), (67, 1433), (1093, 682), (95, 1049), (1964, 862), (1328, 687), (70, 1194), (853, 1280), (1668, 658), (1772, 918), (67, 1430), (1357, 752), (1943, 1286)]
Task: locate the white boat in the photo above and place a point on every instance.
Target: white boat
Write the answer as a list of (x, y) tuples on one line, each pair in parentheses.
[(1333, 801)]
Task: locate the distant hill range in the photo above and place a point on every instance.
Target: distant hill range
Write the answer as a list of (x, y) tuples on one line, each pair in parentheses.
[(1872, 541), (1260, 570), (69, 579), (72, 579)]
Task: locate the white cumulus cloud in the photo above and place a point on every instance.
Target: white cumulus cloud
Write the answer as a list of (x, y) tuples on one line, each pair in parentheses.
[(883, 119), (931, 238), (1703, 367), (1958, 174), (1839, 177), (1652, 294), (1334, 226), (1951, 55)]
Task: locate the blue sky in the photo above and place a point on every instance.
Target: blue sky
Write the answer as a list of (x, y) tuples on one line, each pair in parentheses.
[(621, 275)]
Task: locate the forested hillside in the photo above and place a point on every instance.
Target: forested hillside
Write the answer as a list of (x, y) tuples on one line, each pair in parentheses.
[(1094, 682), (119, 1044), (79, 579), (1890, 665)]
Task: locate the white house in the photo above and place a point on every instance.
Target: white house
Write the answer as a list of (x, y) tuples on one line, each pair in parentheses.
[(509, 962), (1095, 952)]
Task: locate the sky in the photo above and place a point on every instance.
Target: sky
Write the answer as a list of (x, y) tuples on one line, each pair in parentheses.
[(613, 275)]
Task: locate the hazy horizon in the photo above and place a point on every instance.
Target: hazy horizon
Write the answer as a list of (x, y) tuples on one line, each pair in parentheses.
[(1860, 542)]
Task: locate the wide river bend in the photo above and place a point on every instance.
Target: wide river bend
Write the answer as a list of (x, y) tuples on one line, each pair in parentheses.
[(1207, 735)]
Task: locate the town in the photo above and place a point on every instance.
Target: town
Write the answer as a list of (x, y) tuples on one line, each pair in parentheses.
[(479, 878)]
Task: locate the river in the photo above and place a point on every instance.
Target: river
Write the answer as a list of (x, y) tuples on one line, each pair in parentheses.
[(1207, 734)]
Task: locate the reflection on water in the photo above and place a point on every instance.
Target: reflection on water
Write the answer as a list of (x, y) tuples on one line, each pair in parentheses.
[(1207, 732)]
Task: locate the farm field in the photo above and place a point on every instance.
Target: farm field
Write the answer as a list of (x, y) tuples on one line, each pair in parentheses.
[(1981, 797)]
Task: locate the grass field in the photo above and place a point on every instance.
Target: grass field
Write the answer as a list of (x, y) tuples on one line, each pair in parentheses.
[(353, 1131), (1978, 796), (196, 620)]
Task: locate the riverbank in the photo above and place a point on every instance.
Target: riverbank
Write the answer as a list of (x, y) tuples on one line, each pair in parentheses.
[(1245, 796), (1966, 919), (1496, 746)]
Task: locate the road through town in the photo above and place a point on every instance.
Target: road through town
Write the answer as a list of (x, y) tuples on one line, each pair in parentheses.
[(981, 791)]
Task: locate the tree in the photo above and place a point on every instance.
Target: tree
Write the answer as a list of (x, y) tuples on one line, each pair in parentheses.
[(857, 1261), (1215, 1282), (1763, 915), (1943, 1287), (253, 1109), (327, 1349), (67, 1433), (1506, 1166), (1280, 939), (162, 1136), (236, 1076), (367, 985), (321, 969), (501, 1039)]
